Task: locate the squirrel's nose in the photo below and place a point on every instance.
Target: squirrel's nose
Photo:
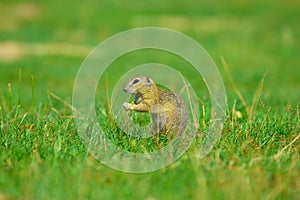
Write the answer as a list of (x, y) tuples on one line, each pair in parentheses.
[(128, 90)]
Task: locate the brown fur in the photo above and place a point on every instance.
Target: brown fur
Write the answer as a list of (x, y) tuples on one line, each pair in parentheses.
[(168, 110)]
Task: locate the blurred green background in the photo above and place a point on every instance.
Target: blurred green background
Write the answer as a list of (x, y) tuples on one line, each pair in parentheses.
[(49, 40)]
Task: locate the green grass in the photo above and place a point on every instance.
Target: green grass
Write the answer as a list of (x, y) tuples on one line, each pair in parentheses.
[(41, 155)]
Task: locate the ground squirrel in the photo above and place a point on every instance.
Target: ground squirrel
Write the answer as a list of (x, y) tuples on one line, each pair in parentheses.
[(167, 109)]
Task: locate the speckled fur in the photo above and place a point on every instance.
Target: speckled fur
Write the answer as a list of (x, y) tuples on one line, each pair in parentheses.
[(167, 109)]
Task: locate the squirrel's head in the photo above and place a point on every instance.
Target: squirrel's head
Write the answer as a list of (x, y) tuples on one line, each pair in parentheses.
[(139, 83)]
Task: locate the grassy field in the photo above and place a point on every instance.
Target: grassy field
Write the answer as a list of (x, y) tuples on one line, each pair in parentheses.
[(255, 44)]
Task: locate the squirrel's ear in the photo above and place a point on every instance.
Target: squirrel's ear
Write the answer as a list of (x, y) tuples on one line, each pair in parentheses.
[(149, 80)]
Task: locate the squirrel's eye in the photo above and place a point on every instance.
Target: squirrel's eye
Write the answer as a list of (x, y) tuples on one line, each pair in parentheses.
[(135, 81)]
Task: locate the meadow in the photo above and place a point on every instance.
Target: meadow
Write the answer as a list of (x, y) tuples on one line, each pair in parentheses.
[(255, 45)]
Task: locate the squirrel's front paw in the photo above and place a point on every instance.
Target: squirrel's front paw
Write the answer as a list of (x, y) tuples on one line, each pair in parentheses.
[(126, 106)]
